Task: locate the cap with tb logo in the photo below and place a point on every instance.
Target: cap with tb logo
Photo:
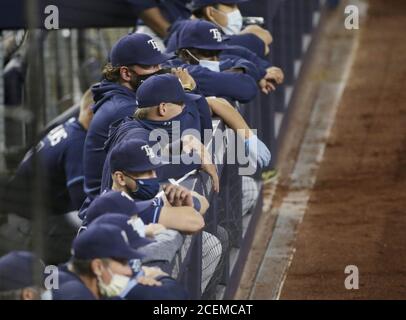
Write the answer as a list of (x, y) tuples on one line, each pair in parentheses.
[(133, 155), (137, 48), (200, 34), (162, 88)]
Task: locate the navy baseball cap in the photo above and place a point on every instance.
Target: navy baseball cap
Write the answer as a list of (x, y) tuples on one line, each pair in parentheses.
[(197, 4), (103, 241), (133, 155), (137, 48), (115, 201), (124, 222), (200, 34), (17, 270), (162, 88)]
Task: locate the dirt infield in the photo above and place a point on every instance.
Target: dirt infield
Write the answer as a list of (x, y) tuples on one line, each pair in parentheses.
[(357, 210)]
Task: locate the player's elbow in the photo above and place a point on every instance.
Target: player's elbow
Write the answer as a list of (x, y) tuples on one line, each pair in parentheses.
[(195, 223)]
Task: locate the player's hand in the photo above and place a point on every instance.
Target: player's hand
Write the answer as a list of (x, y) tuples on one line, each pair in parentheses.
[(266, 86), (192, 143), (188, 83), (211, 170), (275, 74), (150, 282), (257, 151), (153, 272), (178, 196)]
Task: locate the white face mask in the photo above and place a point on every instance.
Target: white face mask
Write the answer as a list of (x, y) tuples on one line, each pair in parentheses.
[(116, 286), (211, 65), (234, 22)]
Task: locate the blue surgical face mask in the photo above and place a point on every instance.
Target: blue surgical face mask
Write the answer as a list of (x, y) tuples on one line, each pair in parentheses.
[(211, 65), (146, 188)]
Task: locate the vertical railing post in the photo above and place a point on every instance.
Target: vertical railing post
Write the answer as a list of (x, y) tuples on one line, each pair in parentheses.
[(193, 277), (2, 111), (76, 91), (280, 52), (298, 24), (308, 17), (36, 104), (51, 72)]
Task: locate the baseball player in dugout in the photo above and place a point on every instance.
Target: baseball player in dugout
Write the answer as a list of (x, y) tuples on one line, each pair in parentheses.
[(100, 269), (60, 155), (135, 181), (133, 58)]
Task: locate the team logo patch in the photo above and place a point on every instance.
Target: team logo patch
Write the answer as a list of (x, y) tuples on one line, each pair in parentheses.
[(216, 34), (148, 151), (153, 44)]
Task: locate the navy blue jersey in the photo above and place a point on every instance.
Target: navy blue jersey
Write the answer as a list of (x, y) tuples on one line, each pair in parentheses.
[(248, 41), (169, 290), (247, 46), (196, 115), (60, 155), (112, 102), (232, 86), (249, 68), (71, 287), (239, 48)]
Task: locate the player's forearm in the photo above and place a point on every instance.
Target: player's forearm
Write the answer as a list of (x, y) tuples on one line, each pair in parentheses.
[(261, 33), (183, 219), (230, 116)]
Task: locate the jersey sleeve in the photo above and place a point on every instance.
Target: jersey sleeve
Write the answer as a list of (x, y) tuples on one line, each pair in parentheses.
[(235, 86), (248, 41), (249, 67), (169, 290), (151, 213), (73, 164)]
